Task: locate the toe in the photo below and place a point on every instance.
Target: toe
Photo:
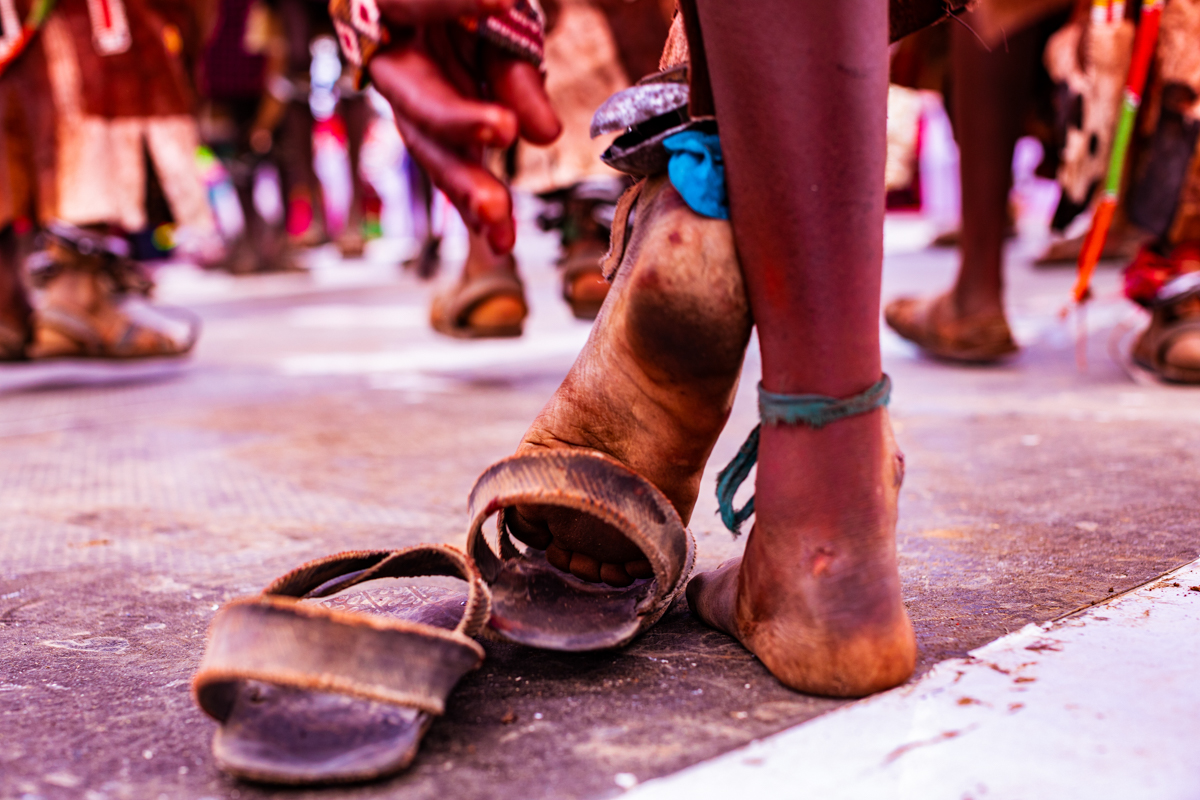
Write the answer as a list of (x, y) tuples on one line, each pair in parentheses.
[(558, 557), (615, 575), (639, 568), (712, 596), (530, 528), (585, 568), (1184, 352)]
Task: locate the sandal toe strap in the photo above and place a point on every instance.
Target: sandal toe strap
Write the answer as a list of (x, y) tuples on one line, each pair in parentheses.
[(276, 638), (595, 484)]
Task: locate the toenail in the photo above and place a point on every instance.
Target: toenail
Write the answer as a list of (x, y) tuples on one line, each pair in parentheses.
[(558, 557), (615, 575), (639, 569), (585, 568)]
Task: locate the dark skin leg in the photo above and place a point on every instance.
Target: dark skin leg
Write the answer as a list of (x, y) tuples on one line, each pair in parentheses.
[(989, 97), (15, 311), (357, 115), (817, 594)]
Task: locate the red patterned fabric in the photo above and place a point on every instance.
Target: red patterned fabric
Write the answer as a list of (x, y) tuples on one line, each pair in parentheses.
[(361, 33), (1150, 271)]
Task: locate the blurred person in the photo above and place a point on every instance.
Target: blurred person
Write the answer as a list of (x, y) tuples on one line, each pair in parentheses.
[(317, 88), (99, 102), (993, 94), (245, 94), (593, 49), (997, 92), (1164, 200)]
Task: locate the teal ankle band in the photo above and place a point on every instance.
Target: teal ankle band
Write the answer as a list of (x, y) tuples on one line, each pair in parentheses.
[(813, 410)]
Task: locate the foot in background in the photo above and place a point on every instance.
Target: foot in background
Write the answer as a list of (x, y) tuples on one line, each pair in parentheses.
[(91, 302), (488, 301)]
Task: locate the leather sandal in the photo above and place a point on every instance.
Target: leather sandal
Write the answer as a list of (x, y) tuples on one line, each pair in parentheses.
[(583, 284), (1170, 347), (91, 302), (341, 689), (461, 312), (539, 605), (933, 325), (583, 215), (12, 342)]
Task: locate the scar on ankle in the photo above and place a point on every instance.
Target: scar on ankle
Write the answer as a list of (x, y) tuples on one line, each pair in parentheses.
[(821, 560)]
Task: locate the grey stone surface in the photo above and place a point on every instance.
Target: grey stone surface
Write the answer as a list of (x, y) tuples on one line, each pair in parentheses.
[(320, 415)]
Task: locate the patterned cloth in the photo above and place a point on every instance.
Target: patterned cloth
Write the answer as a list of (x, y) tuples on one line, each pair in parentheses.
[(361, 32)]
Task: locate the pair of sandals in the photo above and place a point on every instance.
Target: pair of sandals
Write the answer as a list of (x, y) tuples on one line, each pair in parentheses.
[(336, 670)]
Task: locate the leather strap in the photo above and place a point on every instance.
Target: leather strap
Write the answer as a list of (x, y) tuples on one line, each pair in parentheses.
[(593, 483), (276, 638), (467, 296), (1167, 335), (619, 239)]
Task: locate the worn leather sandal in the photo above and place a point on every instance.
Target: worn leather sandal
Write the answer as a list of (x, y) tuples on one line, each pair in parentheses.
[(536, 604), (341, 690), (583, 284), (91, 302), (129, 330), (1170, 349), (932, 325), (13, 341), (463, 311)]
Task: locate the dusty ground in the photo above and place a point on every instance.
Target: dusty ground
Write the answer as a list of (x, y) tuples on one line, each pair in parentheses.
[(319, 415)]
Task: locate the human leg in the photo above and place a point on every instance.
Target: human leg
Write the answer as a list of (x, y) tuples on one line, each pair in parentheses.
[(989, 95), (356, 113), (817, 594)]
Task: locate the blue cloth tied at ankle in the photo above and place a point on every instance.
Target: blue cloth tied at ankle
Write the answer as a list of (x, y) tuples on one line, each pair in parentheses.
[(697, 171), (813, 410)]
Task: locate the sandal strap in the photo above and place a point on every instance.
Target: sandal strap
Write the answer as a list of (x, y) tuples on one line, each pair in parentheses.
[(1167, 335), (92, 343), (591, 482), (327, 576), (477, 290), (619, 238), (277, 639)]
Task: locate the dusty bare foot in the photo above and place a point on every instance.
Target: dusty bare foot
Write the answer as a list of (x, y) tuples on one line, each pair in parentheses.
[(654, 384), (816, 596)]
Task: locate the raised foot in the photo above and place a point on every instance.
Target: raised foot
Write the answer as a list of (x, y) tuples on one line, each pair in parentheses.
[(654, 384)]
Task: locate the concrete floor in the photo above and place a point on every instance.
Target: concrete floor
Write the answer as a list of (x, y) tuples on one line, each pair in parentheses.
[(319, 414)]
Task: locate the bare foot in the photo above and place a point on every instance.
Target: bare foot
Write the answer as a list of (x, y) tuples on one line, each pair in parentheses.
[(654, 384), (816, 596)]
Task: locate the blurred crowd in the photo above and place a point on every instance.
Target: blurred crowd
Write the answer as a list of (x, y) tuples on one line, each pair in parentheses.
[(134, 130)]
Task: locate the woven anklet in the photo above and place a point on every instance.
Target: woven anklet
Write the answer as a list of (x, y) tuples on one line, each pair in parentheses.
[(812, 410)]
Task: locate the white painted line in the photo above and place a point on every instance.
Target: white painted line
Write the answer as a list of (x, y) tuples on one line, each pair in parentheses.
[(1104, 704), (358, 316), (441, 357)]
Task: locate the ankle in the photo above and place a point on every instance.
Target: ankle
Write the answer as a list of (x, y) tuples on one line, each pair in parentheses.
[(968, 303)]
